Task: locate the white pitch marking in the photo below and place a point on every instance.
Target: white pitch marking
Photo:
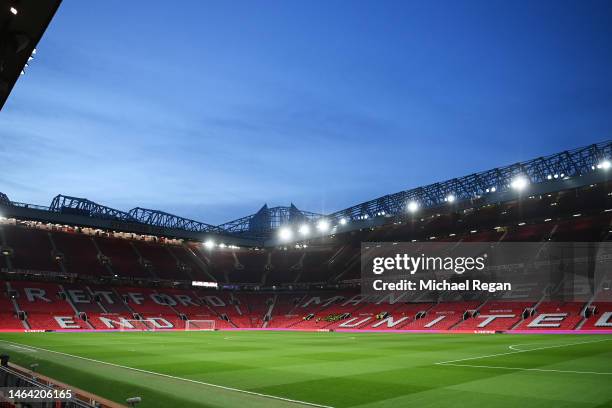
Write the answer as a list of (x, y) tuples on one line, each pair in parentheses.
[(23, 348), (312, 404), (516, 351), (528, 369)]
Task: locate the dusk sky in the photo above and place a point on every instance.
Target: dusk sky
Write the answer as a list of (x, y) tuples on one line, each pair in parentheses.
[(210, 109)]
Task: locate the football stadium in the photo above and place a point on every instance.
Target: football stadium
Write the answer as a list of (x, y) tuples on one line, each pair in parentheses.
[(490, 288)]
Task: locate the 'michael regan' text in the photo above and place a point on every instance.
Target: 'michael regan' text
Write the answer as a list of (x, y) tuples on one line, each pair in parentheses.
[(443, 285)]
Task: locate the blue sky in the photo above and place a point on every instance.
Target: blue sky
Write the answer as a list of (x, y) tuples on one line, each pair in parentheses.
[(211, 109)]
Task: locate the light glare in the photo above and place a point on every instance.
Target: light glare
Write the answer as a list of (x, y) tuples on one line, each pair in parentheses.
[(285, 234), (519, 183), (323, 225), (413, 206), (304, 229)]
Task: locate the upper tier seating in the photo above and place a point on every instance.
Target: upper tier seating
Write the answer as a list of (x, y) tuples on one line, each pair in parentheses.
[(163, 263), (123, 257), (80, 254), (31, 249)]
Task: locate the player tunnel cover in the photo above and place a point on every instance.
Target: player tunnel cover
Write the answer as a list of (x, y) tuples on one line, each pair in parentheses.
[(520, 271)]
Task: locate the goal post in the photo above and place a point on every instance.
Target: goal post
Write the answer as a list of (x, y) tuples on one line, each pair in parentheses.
[(191, 325)]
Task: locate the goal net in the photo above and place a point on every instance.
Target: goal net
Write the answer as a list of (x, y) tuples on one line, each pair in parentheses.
[(199, 325)]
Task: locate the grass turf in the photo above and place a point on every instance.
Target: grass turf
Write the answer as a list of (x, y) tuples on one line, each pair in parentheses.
[(331, 369)]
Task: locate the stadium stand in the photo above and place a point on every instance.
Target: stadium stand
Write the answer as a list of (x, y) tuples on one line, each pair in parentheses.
[(68, 306), (60, 277), (80, 254), (30, 249)]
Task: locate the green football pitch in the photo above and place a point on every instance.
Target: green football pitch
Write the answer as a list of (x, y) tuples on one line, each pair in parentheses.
[(293, 369)]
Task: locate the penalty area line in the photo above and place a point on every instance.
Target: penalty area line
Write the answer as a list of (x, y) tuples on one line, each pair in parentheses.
[(312, 404), (527, 369), (517, 351)]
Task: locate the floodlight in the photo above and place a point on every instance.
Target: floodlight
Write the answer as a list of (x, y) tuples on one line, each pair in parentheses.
[(13, 11), (450, 198), (304, 229), (285, 233), (343, 221), (323, 225), (413, 206), (519, 183), (209, 244), (493, 189), (604, 165)]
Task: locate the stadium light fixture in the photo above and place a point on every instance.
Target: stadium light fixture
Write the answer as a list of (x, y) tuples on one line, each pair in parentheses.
[(209, 244), (285, 233), (519, 183), (323, 225), (304, 229), (493, 189), (604, 165), (413, 206), (450, 198), (13, 11), (343, 221)]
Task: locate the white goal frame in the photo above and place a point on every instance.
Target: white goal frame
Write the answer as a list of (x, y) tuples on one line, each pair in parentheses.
[(200, 325)]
